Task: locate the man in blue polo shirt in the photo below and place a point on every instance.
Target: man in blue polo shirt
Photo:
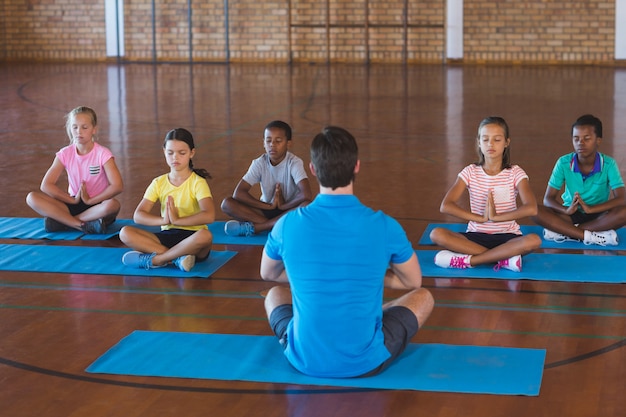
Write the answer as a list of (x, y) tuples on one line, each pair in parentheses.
[(337, 256), (593, 202)]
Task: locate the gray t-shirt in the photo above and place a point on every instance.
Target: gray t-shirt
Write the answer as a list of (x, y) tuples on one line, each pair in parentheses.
[(288, 173)]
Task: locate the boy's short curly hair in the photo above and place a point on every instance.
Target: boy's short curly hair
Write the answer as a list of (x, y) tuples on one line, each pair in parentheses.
[(589, 120)]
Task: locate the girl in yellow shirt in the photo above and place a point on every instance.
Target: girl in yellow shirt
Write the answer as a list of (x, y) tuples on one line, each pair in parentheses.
[(186, 209)]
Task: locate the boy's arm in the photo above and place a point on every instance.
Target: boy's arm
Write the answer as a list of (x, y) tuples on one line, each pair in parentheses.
[(550, 200), (304, 195), (618, 199), (242, 194)]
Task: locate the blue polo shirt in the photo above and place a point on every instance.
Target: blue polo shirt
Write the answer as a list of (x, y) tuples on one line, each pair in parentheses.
[(593, 189), (336, 252)]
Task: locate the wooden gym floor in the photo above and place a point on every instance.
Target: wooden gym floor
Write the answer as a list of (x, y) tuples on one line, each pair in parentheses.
[(415, 126)]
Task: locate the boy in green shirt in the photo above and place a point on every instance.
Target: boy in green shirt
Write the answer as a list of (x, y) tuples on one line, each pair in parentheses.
[(593, 202)]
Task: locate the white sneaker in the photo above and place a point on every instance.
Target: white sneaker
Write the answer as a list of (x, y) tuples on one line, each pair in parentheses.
[(603, 238), (514, 263), (556, 237), (447, 259)]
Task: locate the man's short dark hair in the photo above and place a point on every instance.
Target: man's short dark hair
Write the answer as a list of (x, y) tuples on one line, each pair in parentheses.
[(334, 154)]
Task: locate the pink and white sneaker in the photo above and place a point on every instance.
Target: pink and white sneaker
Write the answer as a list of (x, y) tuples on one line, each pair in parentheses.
[(514, 263), (448, 259)]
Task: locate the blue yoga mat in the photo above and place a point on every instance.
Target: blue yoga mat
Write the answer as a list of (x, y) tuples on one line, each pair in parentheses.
[(95, 260), (527, 229), (114, 230), (32, 228), (216, 228), (538, 266), (424, 367)]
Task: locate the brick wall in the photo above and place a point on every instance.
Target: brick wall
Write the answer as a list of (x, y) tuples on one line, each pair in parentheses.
[(368, 30), (53, 29), (539, 31), (536, 31), (259, 30), (3, 28)]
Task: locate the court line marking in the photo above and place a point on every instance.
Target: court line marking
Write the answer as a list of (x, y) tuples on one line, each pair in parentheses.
[(85, 378), (257, 318), (532, 308)]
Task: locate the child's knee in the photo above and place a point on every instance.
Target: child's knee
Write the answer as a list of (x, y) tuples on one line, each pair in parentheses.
[(125, 234), (31, 198), (533, 242), (622, 214), (204, 237), (111, 206), (226, 204), (437, 235), (433, 234)]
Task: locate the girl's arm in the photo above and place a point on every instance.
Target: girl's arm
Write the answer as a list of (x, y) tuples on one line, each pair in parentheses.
[(206, 214), (527, 208), (115, 185), (49, 183), (144, 216), (450, 204)]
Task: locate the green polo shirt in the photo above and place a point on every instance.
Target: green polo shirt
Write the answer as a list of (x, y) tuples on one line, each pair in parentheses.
[(594, 189)]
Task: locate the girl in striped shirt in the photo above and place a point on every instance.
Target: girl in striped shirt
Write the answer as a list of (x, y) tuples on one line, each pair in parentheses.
[(494, 185)]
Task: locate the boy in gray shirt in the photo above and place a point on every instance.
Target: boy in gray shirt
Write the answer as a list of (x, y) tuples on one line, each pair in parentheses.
[(283, 180)]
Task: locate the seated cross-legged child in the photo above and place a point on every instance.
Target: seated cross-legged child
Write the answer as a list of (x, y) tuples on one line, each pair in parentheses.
[(284, 186), (186, 209), (593, 202), (93, 180), (494, 185)]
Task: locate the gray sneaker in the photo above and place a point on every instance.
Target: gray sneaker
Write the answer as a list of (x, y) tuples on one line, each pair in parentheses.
[(50, 225), (94, 227), (237, 228)]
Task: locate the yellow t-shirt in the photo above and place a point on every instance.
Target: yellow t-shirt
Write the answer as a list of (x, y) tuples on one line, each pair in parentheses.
[(186, 196)]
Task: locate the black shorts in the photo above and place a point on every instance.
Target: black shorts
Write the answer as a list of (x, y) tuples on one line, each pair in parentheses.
[(579, 217), (399, 326), (279, 320), (270, 214), (172, 237), (489, 240), (76, 209)]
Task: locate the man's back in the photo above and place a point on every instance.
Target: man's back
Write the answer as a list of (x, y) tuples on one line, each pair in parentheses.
[(338, 255), (336, 252)]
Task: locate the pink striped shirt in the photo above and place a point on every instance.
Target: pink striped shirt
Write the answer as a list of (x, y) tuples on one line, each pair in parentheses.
[(504, 186)]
